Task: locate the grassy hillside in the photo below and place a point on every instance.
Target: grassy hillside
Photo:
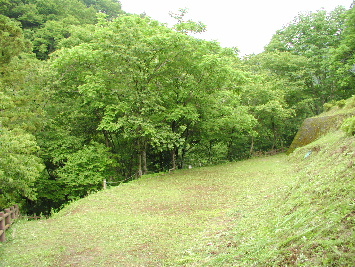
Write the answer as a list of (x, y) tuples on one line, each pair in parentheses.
[(329, 121), (272, 211)]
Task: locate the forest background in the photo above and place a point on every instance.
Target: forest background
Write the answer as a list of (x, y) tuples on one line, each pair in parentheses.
[(89, 92)]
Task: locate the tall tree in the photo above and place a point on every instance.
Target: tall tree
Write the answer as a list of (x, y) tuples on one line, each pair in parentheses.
[(46, 22), (312, 35), (20, 165), (12, 42), (343, 57), (144, 86)]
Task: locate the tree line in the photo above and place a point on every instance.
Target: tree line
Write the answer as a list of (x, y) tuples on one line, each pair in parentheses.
[(89, 92)]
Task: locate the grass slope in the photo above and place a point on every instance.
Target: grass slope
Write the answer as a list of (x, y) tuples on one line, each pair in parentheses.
[(273, 211)]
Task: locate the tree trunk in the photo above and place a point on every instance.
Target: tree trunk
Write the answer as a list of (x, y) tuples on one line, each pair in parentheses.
[(182, 158), (144, 159), (274, 138), (108, 140), (210, 152), (173, 159), (252, 146), (140, 171)]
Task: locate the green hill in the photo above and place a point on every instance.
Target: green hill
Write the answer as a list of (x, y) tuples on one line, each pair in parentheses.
[(296, 210)]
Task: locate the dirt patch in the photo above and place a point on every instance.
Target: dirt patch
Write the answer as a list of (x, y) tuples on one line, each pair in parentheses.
[(79, 258), (167, 209), (202, 189), (186, 206), (192, 198)]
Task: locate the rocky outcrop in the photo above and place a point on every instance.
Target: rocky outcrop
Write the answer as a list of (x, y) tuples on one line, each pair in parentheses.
[(315, 127)]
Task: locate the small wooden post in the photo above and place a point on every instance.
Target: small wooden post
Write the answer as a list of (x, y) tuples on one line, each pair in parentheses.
[(104, 184), (17, 211), (7, 218), (12, 213), (2, 227)]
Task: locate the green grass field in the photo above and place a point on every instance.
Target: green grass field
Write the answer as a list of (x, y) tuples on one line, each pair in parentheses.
[(270, 211)]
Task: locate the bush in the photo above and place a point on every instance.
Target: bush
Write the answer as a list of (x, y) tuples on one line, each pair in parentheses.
[(85, 170), (331, 104), (341, 103), (348, 126), (327, 106)]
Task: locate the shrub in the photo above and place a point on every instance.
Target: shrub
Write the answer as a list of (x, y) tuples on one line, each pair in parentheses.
[(327, 106), (341, 103), (85, 170), (348, 126)]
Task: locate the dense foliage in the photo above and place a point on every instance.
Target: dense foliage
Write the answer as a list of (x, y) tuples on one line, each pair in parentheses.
[(89, 92)]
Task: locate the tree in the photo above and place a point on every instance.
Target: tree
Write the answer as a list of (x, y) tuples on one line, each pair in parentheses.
[(46, 39), (110, 7), (12, 42), (265, 98), (186, 26), (85, 170), (343, 58), (20, 166), (46, 22), (290, 73), (144, 87), (312, 35), (227, 129)]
